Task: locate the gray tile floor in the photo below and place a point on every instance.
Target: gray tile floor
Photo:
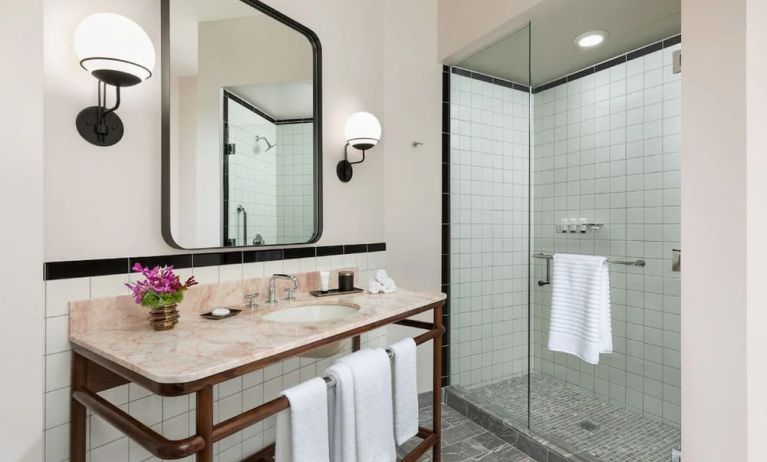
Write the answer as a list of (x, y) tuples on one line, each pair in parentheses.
[(564, 414), (464, 441)]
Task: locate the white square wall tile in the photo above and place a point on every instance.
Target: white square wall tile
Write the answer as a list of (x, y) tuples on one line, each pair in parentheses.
[(57, 334), (58, 294), (56, 408), (109, 286), (57, 444), (58, 370)]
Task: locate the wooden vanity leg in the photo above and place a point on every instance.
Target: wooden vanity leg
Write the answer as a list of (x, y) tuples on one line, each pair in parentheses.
[(356, 343), (437, 385), (77, 411), (204, 420)]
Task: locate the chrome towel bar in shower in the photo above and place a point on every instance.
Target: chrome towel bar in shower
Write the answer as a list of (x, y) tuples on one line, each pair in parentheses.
[(549, 257)]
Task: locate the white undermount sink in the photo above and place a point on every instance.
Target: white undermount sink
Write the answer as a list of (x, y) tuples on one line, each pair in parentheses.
[(313, 313)]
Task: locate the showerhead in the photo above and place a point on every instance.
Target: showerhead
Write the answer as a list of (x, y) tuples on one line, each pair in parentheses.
[(269, 145)]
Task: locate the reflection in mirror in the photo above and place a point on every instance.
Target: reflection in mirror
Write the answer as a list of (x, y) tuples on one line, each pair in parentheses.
[(243, 152)]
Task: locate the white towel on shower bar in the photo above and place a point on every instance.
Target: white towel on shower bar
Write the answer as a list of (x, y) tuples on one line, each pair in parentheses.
[(580, 307), (302, 429)]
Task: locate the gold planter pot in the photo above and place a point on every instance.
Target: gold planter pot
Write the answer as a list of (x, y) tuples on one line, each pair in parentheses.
[(163, 318)]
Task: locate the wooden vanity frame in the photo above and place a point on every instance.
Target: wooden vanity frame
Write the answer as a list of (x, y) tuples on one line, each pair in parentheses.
[(92, 373)]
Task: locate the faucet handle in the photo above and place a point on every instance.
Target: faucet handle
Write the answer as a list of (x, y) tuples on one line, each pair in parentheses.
[(290, 294), (251, 299)]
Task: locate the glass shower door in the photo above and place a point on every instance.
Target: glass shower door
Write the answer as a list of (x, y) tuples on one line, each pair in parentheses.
[(489, 171)]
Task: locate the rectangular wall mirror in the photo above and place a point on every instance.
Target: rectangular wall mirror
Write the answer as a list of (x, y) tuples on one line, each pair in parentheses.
[(242, 126)]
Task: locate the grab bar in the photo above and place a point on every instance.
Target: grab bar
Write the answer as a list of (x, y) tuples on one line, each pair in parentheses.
[(549, 257)]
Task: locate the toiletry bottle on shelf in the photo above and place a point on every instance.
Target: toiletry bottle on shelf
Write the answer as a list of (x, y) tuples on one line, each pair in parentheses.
[(582, 225)]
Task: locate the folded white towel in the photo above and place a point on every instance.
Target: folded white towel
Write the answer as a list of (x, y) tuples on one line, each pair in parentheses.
[(382, 276), (375, 287), (343, 443), (389, 287), (580, 307), (302, 430), (405, 390), (371, 372)]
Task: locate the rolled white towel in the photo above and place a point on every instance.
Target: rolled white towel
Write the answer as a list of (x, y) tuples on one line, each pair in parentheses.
[(375, 287), (389, 287), (382, 276)]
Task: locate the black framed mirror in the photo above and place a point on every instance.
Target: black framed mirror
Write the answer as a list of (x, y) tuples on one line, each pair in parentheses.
[(241, 126)]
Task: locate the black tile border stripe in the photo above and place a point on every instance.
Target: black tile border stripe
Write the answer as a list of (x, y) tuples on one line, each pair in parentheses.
[(56, 270), (445, 234), (300, 252), (86, 268), (484, 78), (638, 53)]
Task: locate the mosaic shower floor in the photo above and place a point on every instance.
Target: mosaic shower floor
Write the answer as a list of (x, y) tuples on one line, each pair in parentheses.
[(589, 426)]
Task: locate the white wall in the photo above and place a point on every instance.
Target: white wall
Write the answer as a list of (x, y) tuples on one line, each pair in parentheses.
[(21, 199), (412, 87), (757, 221), (714, 217), (105, 202)]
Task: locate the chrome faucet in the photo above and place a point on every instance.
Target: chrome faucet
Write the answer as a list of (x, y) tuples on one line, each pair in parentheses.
[(291, 292)]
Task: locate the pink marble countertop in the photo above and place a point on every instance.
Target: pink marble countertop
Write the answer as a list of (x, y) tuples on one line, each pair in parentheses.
[(118, 330)]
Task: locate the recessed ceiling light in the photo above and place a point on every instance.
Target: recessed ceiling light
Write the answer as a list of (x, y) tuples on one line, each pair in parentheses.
[(590, 39)]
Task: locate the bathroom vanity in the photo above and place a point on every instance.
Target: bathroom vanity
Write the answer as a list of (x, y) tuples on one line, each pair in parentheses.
[(113, 344)]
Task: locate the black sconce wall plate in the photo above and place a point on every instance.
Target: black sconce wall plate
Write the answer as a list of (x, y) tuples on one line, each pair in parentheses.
[(105, 132)]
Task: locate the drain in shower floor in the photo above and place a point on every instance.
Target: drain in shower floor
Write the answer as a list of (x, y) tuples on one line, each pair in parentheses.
[(588, 426)]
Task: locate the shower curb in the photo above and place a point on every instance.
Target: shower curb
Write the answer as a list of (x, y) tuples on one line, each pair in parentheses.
[(512, 432)]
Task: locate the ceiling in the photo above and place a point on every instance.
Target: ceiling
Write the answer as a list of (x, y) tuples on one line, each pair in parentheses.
[(282, 101), (554, 24)]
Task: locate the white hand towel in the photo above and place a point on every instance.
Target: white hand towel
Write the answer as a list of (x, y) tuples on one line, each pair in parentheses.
[(389, 287), (375, 287), (405, 390), (580, 307), (371, 372), (381, 276), (343, 442), (302, 430)]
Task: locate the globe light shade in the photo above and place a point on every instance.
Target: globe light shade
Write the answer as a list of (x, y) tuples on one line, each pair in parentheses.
[(363, 130), (114, 49)]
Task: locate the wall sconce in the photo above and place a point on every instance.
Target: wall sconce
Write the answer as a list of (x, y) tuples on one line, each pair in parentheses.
[(362, 132), (117, 52)]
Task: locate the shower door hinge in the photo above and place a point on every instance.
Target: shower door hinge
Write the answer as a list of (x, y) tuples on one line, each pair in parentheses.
[(676, 62), (230, 149)]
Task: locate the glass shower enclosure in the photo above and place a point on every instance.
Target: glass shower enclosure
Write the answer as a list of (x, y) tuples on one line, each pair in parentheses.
[(587, 163)]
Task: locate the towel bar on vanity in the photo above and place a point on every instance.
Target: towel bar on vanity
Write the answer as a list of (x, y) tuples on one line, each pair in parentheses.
[(331, 382), (549, 257)]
